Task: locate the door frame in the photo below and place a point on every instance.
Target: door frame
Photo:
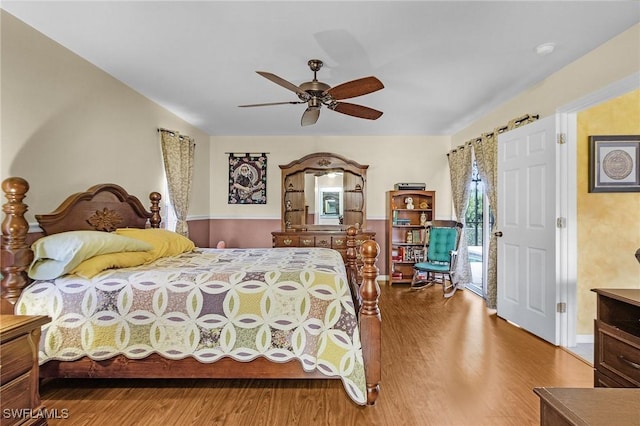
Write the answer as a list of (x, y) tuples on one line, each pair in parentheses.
[(566, 123)]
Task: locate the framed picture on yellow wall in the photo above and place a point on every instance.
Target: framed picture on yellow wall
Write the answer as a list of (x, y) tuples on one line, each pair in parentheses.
[(614, 163)]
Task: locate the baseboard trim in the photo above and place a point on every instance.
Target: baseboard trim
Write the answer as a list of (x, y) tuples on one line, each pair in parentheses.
[(584, 338)]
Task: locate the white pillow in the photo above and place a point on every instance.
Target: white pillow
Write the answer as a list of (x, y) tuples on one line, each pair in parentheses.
[(58, 254)]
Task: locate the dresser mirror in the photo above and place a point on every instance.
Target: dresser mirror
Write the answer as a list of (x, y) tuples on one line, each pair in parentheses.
[(323, 191)]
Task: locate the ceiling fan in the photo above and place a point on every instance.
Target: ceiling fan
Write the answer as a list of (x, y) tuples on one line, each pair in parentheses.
[(316, 93)]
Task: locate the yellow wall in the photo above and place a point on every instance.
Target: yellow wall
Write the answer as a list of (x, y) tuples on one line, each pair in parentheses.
[(608, 223)]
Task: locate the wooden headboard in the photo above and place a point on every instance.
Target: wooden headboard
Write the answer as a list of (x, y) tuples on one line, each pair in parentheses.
[(102, 207)]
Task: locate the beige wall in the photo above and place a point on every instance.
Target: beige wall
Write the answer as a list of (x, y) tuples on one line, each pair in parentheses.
[(67, 125), (608, 223), (390, 160), (609, 63), (64, 119)]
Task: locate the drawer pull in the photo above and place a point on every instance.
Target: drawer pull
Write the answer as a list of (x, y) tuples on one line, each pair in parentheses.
[(630, 363)]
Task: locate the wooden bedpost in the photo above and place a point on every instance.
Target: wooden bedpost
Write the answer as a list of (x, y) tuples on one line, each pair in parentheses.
[(370, 319), (15, 253), (155, 218), (351, 258)]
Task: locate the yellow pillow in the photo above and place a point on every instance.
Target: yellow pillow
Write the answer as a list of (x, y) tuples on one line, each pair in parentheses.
[(164, 242), (126, 259)]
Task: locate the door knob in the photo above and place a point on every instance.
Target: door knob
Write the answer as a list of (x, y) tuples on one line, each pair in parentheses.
[(498, 233)]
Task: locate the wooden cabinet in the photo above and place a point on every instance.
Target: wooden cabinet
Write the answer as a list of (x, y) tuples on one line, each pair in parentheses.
[(587, 406), (336, 240), (19, 390), (408, 213), (617, 338)]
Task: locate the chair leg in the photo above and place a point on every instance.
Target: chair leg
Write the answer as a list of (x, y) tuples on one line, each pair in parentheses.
[(418, 284), (449, 290)]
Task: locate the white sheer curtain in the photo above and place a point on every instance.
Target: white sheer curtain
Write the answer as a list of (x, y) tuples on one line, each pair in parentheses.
[(178, 153)]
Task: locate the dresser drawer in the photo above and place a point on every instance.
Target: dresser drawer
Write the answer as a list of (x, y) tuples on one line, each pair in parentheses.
[(339, 242), (601, 380), (16, 395), (307, 241), (323, 241), (287, 241), (16, 358), (619, 355)]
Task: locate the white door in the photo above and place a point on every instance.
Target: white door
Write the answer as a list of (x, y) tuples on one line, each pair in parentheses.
[(527, 186)]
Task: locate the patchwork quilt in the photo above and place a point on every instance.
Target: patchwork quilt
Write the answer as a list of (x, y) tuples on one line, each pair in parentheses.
[(281, 304)]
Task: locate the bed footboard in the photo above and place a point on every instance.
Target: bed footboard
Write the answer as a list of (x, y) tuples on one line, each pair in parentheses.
[(370, 319)]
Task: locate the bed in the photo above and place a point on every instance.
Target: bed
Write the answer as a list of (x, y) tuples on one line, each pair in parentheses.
[(294, 313)]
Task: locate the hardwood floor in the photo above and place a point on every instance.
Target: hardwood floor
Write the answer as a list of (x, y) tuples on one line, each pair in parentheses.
[(445, 362)]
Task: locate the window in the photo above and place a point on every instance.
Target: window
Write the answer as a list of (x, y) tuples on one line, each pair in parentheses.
[(475, 209), (477, 225)]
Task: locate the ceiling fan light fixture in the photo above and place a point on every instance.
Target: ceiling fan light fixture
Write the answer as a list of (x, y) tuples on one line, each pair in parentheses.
[(316, 93)]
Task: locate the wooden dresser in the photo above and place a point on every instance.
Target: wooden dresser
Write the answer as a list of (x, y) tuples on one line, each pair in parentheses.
[(617, 338), (19, 390), (589, 406), (329, 239)]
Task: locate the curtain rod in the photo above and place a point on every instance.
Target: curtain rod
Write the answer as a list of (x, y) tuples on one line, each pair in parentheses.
[(173, 132), (500, 130), (247, 153)]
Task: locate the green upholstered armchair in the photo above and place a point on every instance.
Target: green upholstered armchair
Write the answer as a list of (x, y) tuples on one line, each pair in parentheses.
[(439, 263)]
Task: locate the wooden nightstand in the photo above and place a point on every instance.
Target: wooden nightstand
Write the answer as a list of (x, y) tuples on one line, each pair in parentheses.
[(19, 385)]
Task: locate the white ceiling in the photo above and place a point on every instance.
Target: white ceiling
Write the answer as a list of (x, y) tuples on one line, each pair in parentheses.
[(443, 63)]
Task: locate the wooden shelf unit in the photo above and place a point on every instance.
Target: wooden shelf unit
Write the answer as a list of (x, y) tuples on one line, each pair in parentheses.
[(402, 222)]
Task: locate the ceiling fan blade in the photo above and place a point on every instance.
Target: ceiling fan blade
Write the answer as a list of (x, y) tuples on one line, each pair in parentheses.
[(310, 116), (354, 88), (284, 83), (356, 110), (272, 103)]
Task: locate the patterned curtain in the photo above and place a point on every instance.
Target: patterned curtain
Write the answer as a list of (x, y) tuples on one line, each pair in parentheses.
[(178, 152), (460, 167), (486, 152)]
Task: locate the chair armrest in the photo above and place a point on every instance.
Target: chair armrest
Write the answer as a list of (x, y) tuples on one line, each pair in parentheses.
[(453, 259)]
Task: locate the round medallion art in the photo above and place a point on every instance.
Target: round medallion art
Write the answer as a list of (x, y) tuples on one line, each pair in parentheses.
[(617, 164)]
